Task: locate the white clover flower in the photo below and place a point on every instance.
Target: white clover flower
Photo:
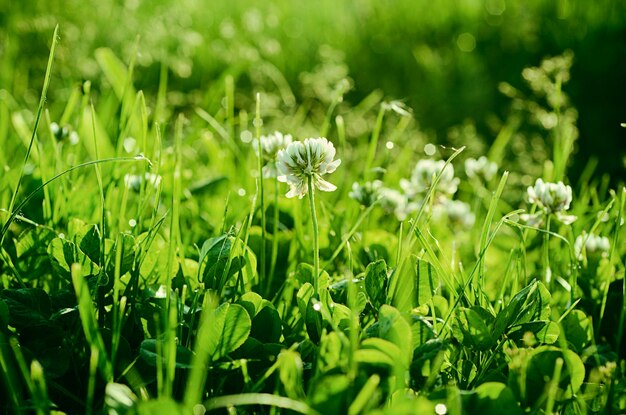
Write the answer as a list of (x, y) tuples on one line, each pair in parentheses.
[(460, 213), (64, 133), (396, 203), (133, 181), (270, 145), (301, 160), (552, 198), (593, 245), (367, 193), (481, 168), (55, 129), (423, 176)]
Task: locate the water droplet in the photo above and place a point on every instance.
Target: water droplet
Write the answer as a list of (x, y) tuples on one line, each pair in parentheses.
[(389, 145)]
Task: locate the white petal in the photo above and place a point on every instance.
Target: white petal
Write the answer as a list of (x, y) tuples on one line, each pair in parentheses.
[(532, 220), (292, 192), (325, 186), (567, 219), (331, 167)]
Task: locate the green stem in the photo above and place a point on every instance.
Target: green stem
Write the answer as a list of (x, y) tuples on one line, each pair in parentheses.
[(346, 238), (546, 252), (371, 153), (399, 251), (316, 242), (257, 123), (274, 240)]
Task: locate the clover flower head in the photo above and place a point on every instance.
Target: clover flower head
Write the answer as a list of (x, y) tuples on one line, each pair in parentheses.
[(551, 198), (300, 160), (460, 213), (424, 175), (270, 145), (64, 133), (394, 202), (480, 168), (59, 132), (594, 246), (367, 193)]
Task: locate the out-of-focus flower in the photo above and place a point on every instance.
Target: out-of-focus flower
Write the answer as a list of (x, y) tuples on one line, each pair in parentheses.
[(133, 181), (74, 138), (424, 175), (367, 193), (60, 133), (270, 145), (481, 168), (63, 133), (551, 198), (300, 161), (398, 107), (593, 245), (396, 203), (459, 213)]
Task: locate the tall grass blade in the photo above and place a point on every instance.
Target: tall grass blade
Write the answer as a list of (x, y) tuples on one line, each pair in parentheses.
[(42, 101)]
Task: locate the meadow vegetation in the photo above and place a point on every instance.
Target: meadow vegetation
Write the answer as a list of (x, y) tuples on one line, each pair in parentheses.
[(227, 214)]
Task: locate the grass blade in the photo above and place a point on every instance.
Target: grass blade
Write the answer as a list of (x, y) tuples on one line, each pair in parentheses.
[(42, 101)]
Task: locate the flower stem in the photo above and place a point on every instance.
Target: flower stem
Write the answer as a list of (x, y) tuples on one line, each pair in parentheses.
[(257, 123), (316, 242), (274, 240), (546, 252)]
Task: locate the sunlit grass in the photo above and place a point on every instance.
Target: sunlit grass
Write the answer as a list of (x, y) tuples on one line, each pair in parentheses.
[(149, 265)]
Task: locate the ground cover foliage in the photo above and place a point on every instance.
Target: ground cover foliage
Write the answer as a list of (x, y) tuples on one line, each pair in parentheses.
[(151, 261)]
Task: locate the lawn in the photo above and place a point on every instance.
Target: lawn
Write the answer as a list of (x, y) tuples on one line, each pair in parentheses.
[(368, 207)]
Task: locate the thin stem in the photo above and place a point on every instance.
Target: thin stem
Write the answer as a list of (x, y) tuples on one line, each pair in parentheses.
[(371, 153), (274, 239), (346, 238), (399, 251), (257, 123), (546, 252), (316, 242)]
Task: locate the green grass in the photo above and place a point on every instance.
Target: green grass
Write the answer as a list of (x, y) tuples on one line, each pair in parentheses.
[(148, 267)]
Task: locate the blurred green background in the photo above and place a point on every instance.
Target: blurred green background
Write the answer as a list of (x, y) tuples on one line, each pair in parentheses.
[(444, 59)]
